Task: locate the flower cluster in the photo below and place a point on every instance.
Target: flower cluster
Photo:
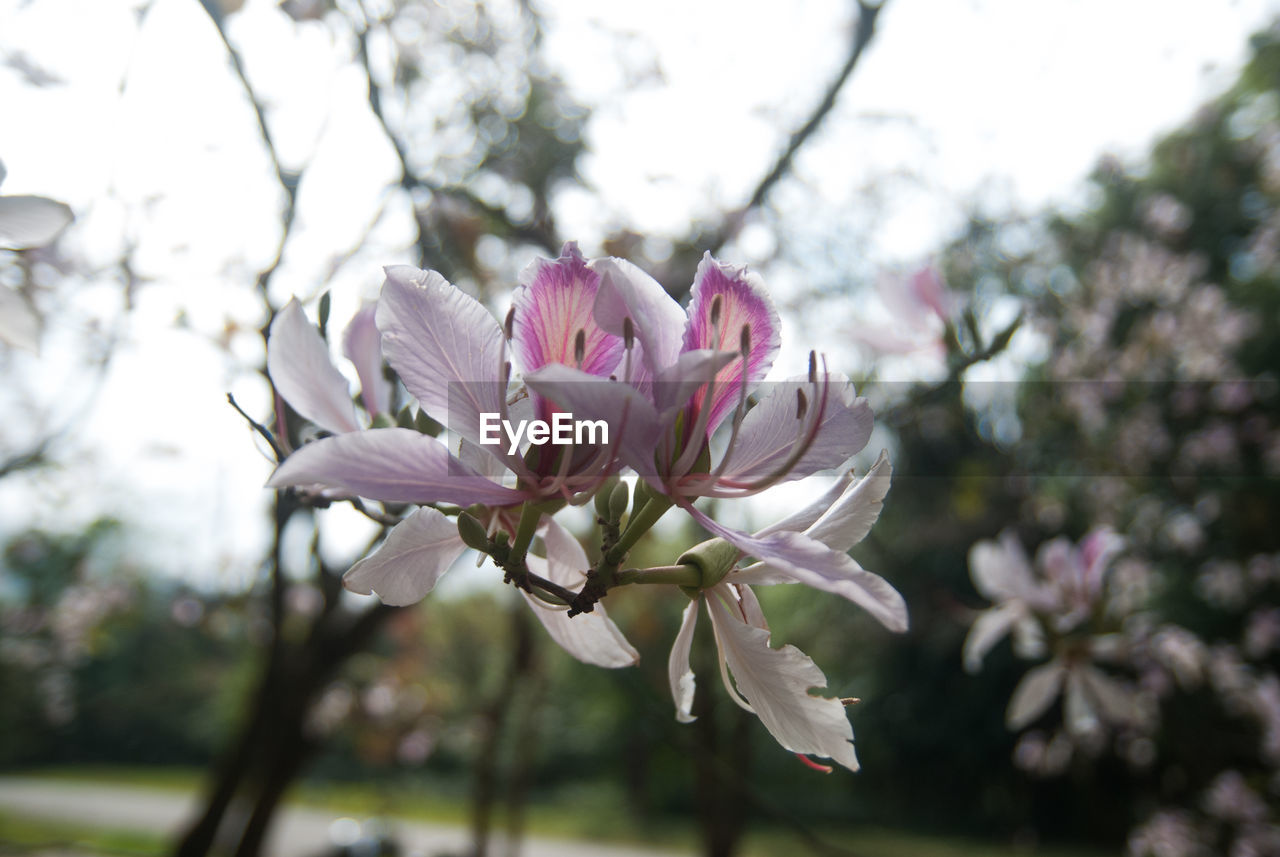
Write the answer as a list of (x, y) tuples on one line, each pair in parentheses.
[(600, 341)]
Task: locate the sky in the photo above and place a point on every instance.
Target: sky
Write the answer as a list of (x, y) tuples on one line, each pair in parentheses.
[(146, 134)]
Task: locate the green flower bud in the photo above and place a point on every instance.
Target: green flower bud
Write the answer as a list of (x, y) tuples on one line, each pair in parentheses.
[(472, 533), (713, 558), (602, 496), (618, 499)]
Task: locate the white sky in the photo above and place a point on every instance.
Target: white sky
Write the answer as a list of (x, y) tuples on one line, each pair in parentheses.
[(1009, 99)]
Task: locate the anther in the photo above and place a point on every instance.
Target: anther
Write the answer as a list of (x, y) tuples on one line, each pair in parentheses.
[(510, 324), (580, 347), (813, 367), (744, 341), (717, 305), (628, 333), (802, 404)]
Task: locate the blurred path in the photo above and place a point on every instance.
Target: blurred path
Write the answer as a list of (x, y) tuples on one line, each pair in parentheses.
[(298, 832)]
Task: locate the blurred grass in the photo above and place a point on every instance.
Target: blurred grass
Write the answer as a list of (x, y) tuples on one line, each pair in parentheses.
[(595, 813), (38, 836)]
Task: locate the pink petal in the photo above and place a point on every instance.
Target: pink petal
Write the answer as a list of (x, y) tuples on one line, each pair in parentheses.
[(592, 637), (771, 429), (395, 465), (633, 424), (407, 565), (657, 320), (676, 384), (445, 346), (679, 673), (31, 221), (555, 301), (299, 365), (743, 303), (362, 343), (803, 560), (777, 683)]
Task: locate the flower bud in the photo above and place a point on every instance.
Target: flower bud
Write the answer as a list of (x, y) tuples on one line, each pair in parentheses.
[(602, 496), (618, 499), (472, 532), (713, 558)]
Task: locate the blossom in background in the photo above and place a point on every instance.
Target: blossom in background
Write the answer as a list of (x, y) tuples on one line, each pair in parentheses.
[(1052, 610), (26, 222), (921, 307)]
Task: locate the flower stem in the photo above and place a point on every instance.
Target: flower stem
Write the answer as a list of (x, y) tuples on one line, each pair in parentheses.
[(680, 575), (530, 515), (637, 526)]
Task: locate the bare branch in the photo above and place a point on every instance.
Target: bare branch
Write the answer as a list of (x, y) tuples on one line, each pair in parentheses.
[(863, 33)]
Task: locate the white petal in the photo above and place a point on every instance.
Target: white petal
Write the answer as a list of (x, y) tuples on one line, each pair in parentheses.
[(625, 291), (19, 324), (1000, 570), (777, 682), (299, 364), (989, 628), (445, 346), (592, 637), (812, 563), (1116, 702), (31, 221), (413, 557), (396, 465), (804, 518), (1034, 694), (851, 518), (679, 673)]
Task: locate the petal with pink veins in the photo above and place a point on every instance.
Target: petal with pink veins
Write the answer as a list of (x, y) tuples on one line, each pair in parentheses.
[(414, 556), (774, 428), (555, 301), (395, 465), (743, 304), (445, 346), (777, 683), (300, 368), (633, 424)]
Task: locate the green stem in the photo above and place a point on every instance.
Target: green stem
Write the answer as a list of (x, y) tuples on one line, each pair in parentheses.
[(529, 517), (637, 526), (680, 575)]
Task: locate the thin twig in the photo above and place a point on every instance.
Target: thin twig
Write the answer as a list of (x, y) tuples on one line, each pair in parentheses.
[(865, 31), (259, 428)]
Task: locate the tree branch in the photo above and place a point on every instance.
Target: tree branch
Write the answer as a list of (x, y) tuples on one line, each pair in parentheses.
[(863, 33)]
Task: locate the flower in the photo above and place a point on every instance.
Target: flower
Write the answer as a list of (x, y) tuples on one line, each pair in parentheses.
[(1052, 608), (774, 683), (451, 355)]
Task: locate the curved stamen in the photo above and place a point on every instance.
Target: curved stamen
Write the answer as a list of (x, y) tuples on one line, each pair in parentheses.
[(744, 348), (804, 440)]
